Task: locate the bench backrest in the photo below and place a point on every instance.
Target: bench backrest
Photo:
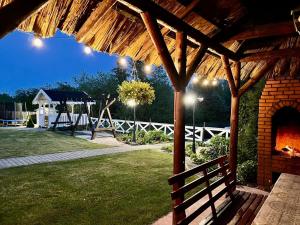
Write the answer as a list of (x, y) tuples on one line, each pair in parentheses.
[(216, 170)]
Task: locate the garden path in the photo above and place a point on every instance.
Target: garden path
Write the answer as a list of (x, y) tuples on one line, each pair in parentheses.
[(63, 156)]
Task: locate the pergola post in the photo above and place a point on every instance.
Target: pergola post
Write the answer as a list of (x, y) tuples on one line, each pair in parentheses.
[(177, 73), (234, 84)]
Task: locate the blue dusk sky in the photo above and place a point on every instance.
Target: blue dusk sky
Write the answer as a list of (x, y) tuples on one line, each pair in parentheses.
[(60, 59)]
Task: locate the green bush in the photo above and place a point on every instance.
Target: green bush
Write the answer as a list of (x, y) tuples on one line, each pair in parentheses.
[(30, 123), (220, 145), (247, 171), (142, 137)]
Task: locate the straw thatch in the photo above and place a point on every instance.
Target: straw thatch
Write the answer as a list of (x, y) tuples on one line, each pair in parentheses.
[(110, 27)]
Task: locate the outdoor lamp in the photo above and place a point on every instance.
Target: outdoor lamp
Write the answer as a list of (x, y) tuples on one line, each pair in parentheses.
[(37, 42), (189, 99), (131, 103)]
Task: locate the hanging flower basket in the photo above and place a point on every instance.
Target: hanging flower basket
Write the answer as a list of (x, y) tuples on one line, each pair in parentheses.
[(141, 92)]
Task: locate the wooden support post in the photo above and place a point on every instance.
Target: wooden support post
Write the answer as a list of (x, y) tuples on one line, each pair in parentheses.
[(234, 83), (178, 76), (14, 13)]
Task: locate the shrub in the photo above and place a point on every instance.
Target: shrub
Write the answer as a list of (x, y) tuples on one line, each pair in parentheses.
[(220, 145), (247, 171), (142, 137), (30, 123)]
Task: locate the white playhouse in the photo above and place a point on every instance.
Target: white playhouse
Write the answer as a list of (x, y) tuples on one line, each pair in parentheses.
[(49, 100)]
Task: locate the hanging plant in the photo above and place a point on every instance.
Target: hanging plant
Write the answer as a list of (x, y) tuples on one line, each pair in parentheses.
[(141, 92)]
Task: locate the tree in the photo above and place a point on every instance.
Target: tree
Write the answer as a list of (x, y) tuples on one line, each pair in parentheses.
[(6, 98)]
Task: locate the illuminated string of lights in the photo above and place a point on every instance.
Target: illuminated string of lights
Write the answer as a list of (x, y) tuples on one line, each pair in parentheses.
[(38, 43), (204, 82)]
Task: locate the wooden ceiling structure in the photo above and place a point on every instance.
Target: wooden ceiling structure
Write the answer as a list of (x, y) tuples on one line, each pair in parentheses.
[(240, 40)]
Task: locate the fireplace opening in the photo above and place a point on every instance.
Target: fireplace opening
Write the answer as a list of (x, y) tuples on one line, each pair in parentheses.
[(286, 132)]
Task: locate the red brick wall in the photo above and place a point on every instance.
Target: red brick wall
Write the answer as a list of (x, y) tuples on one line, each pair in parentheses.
[(276, 95)]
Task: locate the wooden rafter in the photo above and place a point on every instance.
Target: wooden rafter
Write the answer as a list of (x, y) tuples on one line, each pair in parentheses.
[(195, 62), (14, 13), (268, 55), (161, 47), (266, 30), (171, 21), (256, 77)]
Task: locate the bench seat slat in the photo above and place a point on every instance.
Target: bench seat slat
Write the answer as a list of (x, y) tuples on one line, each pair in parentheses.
[(197, 212)]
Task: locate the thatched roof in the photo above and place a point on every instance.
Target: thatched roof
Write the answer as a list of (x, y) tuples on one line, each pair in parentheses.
[(111, 27)]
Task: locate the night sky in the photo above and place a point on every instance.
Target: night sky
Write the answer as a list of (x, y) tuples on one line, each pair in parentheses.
[(60, 59)]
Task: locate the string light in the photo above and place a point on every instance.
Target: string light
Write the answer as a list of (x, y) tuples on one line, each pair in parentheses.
[(215, 82), (87, 50), (195, 79), (147, 69), (37, 42), (123, 62), (205, 82)]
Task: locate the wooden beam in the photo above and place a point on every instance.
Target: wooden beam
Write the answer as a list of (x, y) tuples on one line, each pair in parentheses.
[(273, 54), (180, 56), (230, 79), (161, 47), (256, 77), (174, 23), (266, 30), (14, 13), (195, 62)]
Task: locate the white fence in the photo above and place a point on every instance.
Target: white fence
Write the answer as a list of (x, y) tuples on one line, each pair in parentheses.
[(126, 126)]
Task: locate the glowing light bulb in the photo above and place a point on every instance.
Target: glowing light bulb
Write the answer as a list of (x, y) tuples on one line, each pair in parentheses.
[(215, 82), (195, 80), (37, 42), (189, 99), (131, 103), (205, 82), (123, 62), (87, 50), (148, 69)]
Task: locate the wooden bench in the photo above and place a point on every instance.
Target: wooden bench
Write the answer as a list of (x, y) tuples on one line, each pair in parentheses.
[(236, 207)]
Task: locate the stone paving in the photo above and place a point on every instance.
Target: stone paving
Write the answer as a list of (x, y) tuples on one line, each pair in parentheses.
[(55, 157)]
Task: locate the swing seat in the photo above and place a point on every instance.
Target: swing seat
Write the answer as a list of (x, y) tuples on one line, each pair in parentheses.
[(62, 122)]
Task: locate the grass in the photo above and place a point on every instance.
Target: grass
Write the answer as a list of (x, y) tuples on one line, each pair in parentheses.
[(34, 142), (120, 189)]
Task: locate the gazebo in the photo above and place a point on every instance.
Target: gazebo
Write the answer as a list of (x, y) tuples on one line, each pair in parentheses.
[(241, 41)]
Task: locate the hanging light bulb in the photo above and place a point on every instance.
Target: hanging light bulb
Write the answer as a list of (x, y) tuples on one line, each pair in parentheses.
[(215, 82), (123, 62), (37, 42), (195, 79), (205, 82), (87, 50), (148, 69)]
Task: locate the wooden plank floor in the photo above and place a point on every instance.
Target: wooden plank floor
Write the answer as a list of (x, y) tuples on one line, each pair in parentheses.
[(243, 210)]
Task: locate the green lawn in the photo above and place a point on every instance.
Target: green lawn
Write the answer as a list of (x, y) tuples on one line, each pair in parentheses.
[(120, 189), (35, 142)]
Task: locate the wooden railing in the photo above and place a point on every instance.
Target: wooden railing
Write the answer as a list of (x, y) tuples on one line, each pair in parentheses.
[(126, 126), (216, 170)]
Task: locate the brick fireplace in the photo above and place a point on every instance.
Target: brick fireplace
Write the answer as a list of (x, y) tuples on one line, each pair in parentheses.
[(278, 130)]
